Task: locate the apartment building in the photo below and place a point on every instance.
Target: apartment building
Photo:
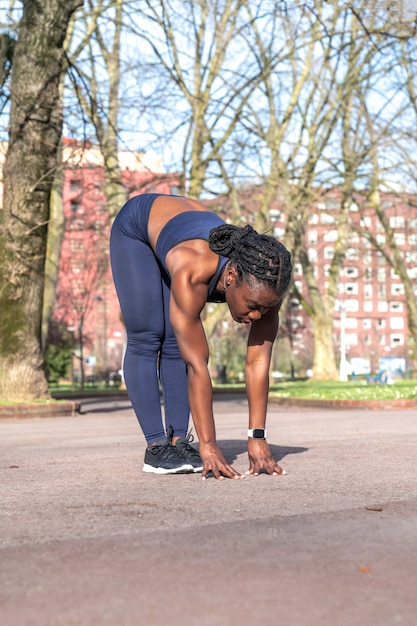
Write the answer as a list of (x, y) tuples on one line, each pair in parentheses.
[(370, 317)]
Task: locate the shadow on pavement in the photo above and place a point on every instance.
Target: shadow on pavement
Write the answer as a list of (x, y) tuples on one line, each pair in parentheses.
[(232, 448)]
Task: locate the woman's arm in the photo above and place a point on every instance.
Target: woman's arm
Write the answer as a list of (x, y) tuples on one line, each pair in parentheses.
[(258, 360), (188, 297)]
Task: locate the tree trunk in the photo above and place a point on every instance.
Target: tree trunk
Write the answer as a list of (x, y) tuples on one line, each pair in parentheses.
[(34, 134), (56, 228), (324, 366)]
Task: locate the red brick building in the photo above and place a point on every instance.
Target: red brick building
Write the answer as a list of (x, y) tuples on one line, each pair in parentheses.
[(86, 301), (370, 314), (370, 318)]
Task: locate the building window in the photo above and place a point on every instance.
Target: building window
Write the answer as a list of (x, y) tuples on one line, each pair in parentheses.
[(279, 232), (367, 291), (399, 239), (397, 340), (352, 306), (381, 340), (382, 306), (382, 291), (368, 306), (351, 272), (397, 289), (397, 221), (352, 254), (381, 322), (328, 252), (411, 257), (75, 184), (380, 258), (396, 323), (366, 323), (396, 307), (367, 339), (312, 238), (74, 206), (325, 218), (351, 288), (382, 274), (351, 322), (330, 236), (274, 214)]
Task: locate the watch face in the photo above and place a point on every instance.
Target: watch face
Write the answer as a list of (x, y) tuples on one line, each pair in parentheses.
[(258, 433)]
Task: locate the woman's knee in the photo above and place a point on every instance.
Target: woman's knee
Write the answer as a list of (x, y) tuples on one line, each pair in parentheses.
[(145, 343)]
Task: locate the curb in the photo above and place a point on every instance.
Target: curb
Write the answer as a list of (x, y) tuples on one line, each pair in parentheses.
[(51, 409), (345, 404)]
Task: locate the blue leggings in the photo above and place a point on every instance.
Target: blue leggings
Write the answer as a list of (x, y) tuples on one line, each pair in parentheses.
[(152, 354)]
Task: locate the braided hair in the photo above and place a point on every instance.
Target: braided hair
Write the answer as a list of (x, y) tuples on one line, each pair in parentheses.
[(253, 255)]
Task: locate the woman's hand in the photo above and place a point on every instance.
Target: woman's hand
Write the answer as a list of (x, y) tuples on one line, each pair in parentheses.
[(214, 461), (261, 460)]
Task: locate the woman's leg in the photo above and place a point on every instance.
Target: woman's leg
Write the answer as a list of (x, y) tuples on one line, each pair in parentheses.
[(138, 282), (173, 375)]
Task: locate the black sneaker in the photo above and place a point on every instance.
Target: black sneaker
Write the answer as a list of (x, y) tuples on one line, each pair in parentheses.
[(188, 453), (163, 458)]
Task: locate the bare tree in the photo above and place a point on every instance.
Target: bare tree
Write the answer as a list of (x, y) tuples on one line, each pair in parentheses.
[(95, 57), (197, 74), (306, 125), (34, 135)]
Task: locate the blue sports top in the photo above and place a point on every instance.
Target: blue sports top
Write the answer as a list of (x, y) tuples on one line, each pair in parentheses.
[(186, 226)]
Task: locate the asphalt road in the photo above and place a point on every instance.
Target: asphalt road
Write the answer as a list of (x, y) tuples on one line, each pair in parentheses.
[(87, 538)]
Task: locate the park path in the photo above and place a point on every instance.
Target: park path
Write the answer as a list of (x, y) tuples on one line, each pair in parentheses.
[(86, 538)]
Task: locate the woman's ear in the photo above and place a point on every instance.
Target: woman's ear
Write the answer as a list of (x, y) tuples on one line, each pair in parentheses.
[(231, 275)]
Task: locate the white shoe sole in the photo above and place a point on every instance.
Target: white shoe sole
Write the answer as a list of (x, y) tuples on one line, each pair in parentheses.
[(183, 469)]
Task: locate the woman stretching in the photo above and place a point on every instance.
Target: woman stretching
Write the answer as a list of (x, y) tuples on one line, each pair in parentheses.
[(170, 256)]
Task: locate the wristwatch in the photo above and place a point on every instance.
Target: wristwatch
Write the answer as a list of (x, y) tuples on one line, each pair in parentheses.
[(257, 433)]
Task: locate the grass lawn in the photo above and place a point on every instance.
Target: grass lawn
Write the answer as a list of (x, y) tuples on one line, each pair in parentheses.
[(351, 390)]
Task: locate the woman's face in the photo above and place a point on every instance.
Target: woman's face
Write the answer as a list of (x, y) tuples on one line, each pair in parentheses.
[(248, 302)]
